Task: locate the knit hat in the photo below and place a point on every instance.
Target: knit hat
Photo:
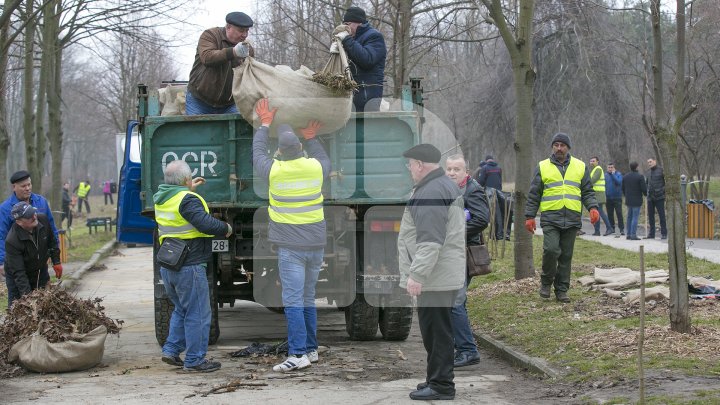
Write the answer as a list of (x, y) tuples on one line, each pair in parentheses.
[(355, 14), (22, 210), (239, 19), (561, 137), (488, 157), (286, 137), (19, 176), (424, 153)]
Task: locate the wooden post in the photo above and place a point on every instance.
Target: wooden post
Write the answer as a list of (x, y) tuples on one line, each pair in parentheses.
[(641, 338)]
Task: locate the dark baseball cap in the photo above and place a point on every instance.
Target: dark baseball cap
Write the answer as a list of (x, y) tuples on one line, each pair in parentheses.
[(23, 210), (19, 176)]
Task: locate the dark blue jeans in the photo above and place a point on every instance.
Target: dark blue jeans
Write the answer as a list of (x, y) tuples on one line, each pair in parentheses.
[(462, 332), (632, 221), (659, 206), (194, 106), (299, 271)]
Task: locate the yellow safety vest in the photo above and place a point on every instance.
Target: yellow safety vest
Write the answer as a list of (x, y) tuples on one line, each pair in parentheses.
[(599, 187), (83, 189), (561, 192), (296, 191), (172, 224)]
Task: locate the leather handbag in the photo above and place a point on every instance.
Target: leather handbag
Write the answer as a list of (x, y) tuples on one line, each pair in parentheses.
[(478, 260), (172, 253)]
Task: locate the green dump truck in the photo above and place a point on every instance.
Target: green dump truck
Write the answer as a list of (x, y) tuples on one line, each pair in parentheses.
[(363, 201)]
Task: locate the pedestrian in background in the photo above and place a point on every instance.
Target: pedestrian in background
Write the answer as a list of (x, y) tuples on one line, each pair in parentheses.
[(107, 192), (297, 226), (22, 191), (634, 188), (82, 190), (490, 176), (431, 257), (613, 192), (183, 214), (560, 188), (66, 205), (597, 178), (477, 214), (655, 199), (28, 246)]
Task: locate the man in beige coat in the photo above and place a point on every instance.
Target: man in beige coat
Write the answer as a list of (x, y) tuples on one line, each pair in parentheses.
[(431, 255)]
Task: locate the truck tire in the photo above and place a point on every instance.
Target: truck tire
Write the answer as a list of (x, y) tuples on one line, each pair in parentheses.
[(396, 319), (361, 319), (163, 310)]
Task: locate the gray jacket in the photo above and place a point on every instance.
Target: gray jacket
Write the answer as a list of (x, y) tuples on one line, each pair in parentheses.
[(562, 218), (431, 243)]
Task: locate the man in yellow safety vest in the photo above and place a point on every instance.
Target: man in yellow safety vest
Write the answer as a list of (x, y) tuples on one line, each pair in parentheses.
[(597, 178), (297, 226), (82, 190), (559, 189)]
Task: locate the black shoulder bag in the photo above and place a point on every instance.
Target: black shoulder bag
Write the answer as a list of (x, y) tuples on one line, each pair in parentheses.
[(478, 259), (172, 253)]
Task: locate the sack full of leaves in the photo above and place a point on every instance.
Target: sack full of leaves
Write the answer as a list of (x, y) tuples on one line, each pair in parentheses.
[(51, 331)]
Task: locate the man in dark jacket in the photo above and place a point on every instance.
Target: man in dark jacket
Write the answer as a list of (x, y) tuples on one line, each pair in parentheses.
[(183, 214), (66, 210), (491, 174), (559, 189), (634, 188), (219, 50), (297, 226), (656, 199), (613, 192), (365, 47), (28, 246), (477, 214), (431, 258)]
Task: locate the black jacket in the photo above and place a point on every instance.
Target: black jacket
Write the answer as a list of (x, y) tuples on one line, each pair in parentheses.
[(367, 53), (192, 209), (26, 254), (656, 184), (634, 188), (476, 202), (491, 176), (66, 200)]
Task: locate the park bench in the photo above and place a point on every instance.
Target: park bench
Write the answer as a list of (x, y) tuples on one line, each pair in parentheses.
[(100, 221)]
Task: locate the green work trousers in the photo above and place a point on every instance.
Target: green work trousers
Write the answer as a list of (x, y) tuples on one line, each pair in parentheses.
[(558, 247)]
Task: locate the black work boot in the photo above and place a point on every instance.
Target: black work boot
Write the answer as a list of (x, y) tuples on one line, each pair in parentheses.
[(562, 296), (544, 291)]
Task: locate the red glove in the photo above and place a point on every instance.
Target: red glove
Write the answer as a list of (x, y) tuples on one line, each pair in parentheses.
[(594, 216), (58, 270), (530, 225), (262, 108), (310, 131)]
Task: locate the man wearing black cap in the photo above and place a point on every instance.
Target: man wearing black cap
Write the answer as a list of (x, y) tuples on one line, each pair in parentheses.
[(28, 246), (559, 189), (366, 49), (219, 50), (22, 191), (297, 226), (431, 256)]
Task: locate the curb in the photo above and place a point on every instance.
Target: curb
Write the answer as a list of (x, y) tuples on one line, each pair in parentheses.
[(74, 278), (516, 358)]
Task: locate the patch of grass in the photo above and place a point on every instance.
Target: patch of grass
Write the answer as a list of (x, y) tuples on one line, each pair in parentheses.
[(595, 336), (699, 398), (82, 245)]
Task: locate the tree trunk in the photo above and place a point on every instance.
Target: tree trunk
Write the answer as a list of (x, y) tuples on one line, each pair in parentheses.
[(54, 102), (404, 21), (4, 137), (28, 97)]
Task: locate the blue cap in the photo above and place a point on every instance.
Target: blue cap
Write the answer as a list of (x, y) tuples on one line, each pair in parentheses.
[(22, 210), (286, 137)]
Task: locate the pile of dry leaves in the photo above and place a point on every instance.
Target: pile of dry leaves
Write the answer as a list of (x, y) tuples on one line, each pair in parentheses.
[(337, 82), (54, 314)]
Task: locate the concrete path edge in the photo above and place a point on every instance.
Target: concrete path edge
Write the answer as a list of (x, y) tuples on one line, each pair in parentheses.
[(517, 358), (99, 254)]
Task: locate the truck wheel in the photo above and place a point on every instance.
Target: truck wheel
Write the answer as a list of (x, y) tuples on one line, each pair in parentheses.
[(361, 319), (163, 311), (396, 319)]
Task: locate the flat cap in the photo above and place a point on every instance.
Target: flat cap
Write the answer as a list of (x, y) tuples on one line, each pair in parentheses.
[(19, 176), (239, 19), (286, 137), (424, 153), (22, 210)]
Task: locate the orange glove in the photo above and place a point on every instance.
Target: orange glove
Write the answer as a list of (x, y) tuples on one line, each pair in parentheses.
[(594, 216), (530, 225), (310, 131), (262, 108), (58, 270)]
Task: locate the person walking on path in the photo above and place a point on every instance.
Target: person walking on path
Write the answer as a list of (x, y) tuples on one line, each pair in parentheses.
[(560, 188), (597, 178), (634, 188), (655, 199), (183, 214), (82, 190), (477, 213), (297, 226), (28, 246), (613, 192), (22, 191), (431, 257)]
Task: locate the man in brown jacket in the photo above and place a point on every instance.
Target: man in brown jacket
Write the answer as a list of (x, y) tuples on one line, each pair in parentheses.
[(219, 50)]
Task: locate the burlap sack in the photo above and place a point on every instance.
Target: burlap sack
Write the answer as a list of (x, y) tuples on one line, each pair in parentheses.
[(296, 96), (35, 353), (172, 98)]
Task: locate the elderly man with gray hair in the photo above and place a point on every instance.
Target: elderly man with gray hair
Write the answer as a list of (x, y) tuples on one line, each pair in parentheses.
[(183, 214)]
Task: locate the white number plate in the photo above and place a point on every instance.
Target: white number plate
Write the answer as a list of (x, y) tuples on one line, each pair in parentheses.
[(220, 245)]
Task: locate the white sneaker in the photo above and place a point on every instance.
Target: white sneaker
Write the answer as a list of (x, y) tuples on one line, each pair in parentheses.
[(293, 363), (313, 356)]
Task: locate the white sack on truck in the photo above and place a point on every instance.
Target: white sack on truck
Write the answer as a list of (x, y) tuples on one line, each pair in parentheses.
[(297, 97), (172, 98)]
